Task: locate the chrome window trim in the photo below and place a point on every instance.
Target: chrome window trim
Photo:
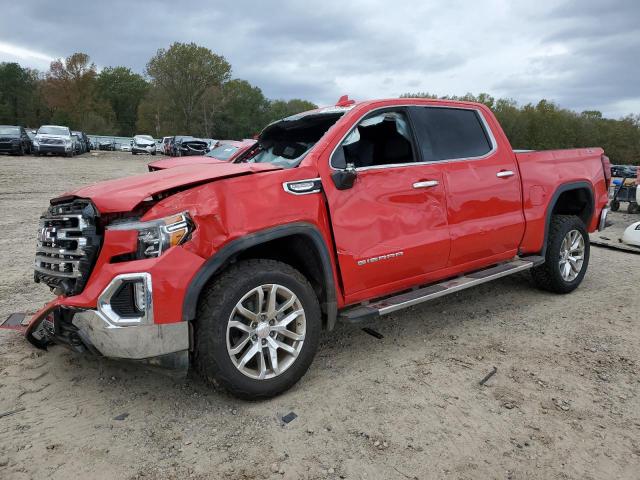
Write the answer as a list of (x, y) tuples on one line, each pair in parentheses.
[(286, 185), (489, 132), (104, 301)]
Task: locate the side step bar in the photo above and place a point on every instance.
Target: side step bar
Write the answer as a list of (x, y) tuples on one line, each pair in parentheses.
[(437, 290)]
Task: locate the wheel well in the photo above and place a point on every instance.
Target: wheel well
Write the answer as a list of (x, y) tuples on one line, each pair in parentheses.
[(299, 251), (578, 202)]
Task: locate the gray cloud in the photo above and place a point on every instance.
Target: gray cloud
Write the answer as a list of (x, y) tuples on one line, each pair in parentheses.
[(581, 54)]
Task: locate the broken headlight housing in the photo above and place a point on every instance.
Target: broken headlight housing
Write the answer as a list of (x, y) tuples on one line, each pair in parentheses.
[(157, 236)]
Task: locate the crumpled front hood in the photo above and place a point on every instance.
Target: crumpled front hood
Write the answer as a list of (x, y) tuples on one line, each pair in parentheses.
[(124, 194)]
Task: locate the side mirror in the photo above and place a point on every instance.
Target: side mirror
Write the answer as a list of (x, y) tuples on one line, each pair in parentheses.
[(344, 179)]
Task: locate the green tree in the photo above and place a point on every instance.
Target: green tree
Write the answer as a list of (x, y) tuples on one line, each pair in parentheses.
[(241, 110), (123, 90), (21, 101), (284, 108), (184, 73)]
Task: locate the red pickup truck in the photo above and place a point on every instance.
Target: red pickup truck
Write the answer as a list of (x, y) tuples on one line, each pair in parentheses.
[(343, 213), (225, 151)]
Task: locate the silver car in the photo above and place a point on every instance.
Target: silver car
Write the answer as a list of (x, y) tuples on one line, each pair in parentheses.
[(143, 144)]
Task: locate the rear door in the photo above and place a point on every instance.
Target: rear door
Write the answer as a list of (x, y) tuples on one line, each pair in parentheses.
[(390, 227), (483, 188)]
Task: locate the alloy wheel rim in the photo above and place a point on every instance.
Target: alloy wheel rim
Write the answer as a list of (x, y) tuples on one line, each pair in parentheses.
[(571, 255), (266, 331)]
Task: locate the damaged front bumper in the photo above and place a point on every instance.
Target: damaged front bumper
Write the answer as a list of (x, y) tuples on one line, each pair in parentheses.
[(87, 330)]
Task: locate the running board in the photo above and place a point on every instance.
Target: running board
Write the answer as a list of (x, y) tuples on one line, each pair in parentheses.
[(437, 290)]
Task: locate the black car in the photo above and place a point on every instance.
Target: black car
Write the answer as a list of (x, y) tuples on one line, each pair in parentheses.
[(83, 142), (14, 140), (77, 144), (107, 145), (622, 171), (186, 145)]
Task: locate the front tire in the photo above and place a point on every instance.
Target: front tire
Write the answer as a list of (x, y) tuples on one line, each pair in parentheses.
[(257, 329), (566, 258), (615, 205), (633, 207)]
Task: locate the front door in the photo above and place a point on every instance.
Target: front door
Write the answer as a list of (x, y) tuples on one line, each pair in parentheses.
[(390, 227)]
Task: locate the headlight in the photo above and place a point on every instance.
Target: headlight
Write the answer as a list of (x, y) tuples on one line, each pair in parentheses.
[(156, 236)]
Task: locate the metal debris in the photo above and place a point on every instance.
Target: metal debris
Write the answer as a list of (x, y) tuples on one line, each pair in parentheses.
[(289, 417), (488, 376), (373, 333), (11, 412)]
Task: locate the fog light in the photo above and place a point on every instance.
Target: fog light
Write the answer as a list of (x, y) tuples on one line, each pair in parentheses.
[(140, 296), (127, 301)]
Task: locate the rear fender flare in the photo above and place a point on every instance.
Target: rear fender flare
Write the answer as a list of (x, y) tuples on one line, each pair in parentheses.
[(565, 187)]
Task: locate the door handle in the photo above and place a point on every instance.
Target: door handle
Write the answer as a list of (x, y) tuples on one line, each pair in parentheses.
[(505, 173), (426, 184)]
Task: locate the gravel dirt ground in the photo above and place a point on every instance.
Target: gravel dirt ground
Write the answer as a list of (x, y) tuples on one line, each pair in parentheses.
[(564, 403)]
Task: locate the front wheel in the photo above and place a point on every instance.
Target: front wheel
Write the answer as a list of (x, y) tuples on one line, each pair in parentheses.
[(257, 329), (615, 205), (567, 256), (633, 207)]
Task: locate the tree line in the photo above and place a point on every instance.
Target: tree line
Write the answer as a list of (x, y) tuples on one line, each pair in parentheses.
[(545, 125), (187, 89)]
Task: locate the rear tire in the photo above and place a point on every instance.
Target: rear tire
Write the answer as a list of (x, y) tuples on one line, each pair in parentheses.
[(632, 207), (566, 258), (615, 205), (234, 321)]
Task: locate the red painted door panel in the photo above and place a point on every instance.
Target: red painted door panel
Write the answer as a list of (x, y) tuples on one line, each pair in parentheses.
[(386, 230), (484, 210)]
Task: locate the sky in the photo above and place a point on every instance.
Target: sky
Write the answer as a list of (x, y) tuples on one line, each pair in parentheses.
[(581, 54)]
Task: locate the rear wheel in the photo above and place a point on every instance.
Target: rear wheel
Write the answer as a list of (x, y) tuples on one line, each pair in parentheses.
[(257, 329), (567, 256), (615, 205), (632, 207)]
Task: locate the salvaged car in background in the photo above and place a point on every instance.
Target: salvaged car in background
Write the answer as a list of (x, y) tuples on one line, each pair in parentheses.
[(345, 213), (226, 151), (143, 144), (186, 145), (108, 145), (14, 140), (54, 139), (82, 146)]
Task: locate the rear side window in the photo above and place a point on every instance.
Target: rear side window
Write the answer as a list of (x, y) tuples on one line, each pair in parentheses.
[(450, 133)]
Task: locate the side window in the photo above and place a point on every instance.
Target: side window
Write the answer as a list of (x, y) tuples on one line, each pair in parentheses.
[(450, 133), (380, 139)]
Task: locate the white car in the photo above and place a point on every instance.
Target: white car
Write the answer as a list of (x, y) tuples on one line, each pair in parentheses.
[(143, 144), (631, 235), (125, 148)]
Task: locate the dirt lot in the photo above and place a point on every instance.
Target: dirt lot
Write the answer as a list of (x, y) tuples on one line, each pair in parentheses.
[(565, 402)]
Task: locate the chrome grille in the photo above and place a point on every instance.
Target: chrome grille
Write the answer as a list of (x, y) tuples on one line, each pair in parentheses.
[(52, 141), (67, 246)]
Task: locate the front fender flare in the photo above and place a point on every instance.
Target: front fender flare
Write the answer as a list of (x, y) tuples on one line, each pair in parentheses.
[(221, 258)]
